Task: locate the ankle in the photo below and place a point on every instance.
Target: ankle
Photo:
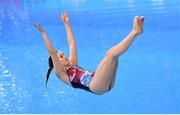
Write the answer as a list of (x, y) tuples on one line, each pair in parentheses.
[(134, 33)]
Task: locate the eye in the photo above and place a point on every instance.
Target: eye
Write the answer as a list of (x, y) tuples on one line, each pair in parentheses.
[(61, 56)]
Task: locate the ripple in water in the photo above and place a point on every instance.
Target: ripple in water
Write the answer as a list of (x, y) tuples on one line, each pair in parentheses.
[(10, 95)]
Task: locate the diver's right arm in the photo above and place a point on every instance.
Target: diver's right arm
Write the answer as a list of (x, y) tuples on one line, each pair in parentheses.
[(57, 67)]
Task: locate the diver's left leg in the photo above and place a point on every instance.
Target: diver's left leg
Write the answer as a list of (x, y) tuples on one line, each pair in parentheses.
[(106, 71)]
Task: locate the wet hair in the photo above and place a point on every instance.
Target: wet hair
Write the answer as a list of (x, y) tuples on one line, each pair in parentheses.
[(49, 69)]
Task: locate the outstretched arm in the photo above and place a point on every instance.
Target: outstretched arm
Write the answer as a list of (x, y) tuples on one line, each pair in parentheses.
[(70, 37), (57, 67), (47, 41)]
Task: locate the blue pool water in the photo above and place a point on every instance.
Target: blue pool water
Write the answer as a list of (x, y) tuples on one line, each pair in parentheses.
[(148, 77)]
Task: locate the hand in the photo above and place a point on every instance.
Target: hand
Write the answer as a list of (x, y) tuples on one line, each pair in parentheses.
[(38, 27), (65, 17)]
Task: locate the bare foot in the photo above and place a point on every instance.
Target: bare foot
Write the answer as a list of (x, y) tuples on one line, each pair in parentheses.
[(138, 25)]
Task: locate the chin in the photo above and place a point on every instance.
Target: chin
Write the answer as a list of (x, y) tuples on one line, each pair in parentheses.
[(66, 64)]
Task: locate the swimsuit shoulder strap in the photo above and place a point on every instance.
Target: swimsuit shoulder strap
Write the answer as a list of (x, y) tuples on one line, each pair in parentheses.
[(66, 68)]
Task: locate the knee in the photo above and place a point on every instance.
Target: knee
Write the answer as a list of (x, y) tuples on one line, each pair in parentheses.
[(111, 53)]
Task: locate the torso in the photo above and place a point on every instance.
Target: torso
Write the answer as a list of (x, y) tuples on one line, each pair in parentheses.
[(78, 77)]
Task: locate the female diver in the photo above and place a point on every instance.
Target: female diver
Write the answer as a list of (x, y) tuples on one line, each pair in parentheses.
[(67, 69)]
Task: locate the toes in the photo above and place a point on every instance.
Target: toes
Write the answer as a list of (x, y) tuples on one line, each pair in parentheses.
[(136, 18), (142, 19), (141, 22)]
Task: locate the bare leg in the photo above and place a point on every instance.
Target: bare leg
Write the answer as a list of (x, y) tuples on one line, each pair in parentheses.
[(106, 71)]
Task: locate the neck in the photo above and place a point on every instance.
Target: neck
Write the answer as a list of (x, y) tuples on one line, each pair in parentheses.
[(65, 66)]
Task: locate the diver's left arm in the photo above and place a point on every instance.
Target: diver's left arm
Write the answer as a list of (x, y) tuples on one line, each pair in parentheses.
[(70, 37)]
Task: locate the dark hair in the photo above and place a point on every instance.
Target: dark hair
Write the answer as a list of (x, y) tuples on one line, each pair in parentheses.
[(49, 69)]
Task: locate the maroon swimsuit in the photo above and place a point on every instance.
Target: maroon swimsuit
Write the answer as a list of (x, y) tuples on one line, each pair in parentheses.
[(79, 77)]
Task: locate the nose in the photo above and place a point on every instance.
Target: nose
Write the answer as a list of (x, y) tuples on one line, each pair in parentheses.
[(66, 58)]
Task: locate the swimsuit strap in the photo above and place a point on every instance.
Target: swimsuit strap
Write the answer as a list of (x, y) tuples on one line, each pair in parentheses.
[(66, 68)]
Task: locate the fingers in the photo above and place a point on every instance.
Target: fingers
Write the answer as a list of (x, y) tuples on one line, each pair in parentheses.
[(64, 14), (37, 25)]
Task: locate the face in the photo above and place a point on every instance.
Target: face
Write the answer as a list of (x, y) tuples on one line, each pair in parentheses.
[(64, 61)]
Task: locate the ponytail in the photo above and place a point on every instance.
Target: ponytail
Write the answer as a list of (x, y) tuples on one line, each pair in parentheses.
[(49, 70)]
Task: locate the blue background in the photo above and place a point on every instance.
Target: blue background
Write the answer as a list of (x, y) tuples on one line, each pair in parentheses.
[(148, 77)]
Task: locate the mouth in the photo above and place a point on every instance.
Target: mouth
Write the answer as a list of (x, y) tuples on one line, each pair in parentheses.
[(66, 59)]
